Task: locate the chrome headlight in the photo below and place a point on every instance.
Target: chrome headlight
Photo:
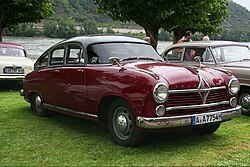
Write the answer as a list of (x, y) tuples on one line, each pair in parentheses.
[(234, 86), (160, 92)]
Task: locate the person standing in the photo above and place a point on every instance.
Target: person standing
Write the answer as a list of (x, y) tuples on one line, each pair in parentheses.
[(186, 37), (148, 39), (205, 38)]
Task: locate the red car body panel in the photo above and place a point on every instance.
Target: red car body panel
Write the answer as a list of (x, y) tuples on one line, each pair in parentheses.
[(83, 88)]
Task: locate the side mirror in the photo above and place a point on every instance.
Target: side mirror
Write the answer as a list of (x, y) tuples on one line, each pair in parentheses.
[(114, 60)]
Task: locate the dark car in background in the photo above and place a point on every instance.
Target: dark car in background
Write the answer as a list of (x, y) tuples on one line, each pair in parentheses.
[(125, 82), (232, 56)]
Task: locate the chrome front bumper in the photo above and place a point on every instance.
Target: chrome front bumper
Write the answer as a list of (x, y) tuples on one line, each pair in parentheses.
[(12, 77), (181, 121)]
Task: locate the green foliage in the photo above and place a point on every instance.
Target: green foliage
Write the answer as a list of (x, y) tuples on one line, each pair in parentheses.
[(110, 31), (165, 36), (240, 35), (177, 16), (13, 12), (23, 29), (90, 28), (64, 28)]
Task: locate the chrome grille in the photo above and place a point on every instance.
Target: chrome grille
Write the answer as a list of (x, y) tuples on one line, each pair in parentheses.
[(194, 98)]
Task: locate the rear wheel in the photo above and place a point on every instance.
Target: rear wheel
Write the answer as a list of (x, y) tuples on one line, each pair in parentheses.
[(206, 130), (244, 101), (121, 124), (37, 105)]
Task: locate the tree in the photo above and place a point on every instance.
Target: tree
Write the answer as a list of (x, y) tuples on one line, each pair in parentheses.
[(203, 16), (13, 12), (172, 15)]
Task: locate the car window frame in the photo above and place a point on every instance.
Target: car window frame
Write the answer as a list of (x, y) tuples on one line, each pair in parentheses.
[(208, 50), (81, 56), (50, 55), (181, 56), (41, 57)]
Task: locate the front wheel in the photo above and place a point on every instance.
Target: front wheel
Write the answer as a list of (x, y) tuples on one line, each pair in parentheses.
[(121, 124), (244, 101), (37, 105)]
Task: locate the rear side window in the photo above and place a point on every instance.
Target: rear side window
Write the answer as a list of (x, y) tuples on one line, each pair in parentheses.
[(57, 56), (191, 53), (42, 62)]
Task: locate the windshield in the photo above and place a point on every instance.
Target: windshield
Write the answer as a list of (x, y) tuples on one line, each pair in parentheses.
[(231, 53), (123, 51), (5, 51)]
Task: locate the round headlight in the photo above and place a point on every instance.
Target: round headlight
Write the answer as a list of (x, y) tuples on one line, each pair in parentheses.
[(234, 86), (160, 92)]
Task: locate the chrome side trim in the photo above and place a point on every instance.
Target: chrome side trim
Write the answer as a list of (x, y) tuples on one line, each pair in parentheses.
[(69, 110), (196, 90), (181, 121), (196, 106)]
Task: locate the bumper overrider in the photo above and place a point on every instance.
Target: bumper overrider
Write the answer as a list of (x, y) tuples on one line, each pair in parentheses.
[(182, 121)]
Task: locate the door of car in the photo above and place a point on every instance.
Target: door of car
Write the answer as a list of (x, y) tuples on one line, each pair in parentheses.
[(50, 76), (72, 87)]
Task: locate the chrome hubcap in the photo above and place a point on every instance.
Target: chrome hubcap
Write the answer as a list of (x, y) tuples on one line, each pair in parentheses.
[(245, 101), (122, 123), (38, 102)]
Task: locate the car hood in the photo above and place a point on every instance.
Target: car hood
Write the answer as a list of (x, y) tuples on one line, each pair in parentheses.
[(180, 77), (17, 61), (240, 64)]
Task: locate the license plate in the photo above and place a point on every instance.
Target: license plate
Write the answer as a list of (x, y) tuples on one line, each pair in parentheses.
[(11, 70), (206, 118)]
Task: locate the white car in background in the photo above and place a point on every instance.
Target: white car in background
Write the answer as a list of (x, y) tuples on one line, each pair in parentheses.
[(14, 63)]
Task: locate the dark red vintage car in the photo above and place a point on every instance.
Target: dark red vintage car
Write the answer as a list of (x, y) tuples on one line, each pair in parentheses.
[(125, 82)]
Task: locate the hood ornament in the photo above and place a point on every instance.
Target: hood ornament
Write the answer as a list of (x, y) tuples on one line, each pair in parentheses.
[(203, 89)]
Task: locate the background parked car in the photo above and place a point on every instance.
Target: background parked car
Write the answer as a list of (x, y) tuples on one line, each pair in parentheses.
[(125, 82), (226, 55), (14, 63)]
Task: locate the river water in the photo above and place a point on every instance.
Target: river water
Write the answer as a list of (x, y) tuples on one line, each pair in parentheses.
[(35, 46)]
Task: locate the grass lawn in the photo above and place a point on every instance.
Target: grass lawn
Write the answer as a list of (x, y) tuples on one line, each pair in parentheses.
[(29, 140)]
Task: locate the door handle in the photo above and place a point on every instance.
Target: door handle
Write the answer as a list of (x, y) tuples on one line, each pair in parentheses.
[(56, 71), (80, 70)]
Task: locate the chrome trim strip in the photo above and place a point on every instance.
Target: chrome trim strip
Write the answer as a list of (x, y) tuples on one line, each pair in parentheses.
[(180, 121), (196, 90), (196, 106), (70, 110)]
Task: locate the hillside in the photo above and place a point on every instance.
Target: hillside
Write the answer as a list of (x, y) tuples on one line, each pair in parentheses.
[(239, 17), (82, 10)]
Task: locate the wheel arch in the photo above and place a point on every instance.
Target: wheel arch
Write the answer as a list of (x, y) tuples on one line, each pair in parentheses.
[(105, 104)]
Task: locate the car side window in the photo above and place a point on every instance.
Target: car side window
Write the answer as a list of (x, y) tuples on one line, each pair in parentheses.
[(207, 57), (191, 53), (174, 55), (93, 58), (57, 56), (74, 54), (42, 62)]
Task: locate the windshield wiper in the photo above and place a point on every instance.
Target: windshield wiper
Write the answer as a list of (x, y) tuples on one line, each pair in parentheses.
[(129, 58), (146, 58), (245, 59)]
